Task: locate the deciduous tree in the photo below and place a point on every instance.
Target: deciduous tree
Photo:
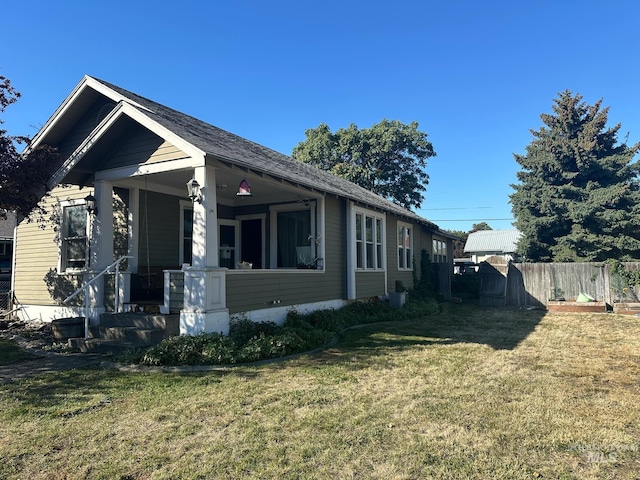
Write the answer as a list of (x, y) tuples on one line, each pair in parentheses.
[(23, 177), (388, 159)]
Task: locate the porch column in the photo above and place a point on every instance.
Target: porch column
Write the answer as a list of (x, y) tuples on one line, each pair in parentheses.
[(205, 221), (204, 281), (101, 246)]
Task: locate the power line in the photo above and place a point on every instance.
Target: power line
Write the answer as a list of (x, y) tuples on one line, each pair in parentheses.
[(470, 219)]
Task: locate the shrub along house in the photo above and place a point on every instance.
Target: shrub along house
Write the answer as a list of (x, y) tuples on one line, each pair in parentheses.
[(204, 223)]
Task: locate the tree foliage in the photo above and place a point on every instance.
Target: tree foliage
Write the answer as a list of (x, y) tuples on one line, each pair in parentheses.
[(578, 197), (23, 178), (388, 159)]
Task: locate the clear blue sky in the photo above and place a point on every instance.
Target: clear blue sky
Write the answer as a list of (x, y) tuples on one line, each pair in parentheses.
[(475, 75)]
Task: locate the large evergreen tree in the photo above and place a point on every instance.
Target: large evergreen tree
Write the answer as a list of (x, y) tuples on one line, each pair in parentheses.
[(578, 197), (389, 158)]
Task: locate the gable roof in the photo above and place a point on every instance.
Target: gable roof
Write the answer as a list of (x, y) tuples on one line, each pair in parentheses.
[(230, 148), (503, 241)]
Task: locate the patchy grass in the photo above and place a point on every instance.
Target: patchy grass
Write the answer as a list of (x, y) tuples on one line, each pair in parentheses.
[(469, 393), (10, 352)]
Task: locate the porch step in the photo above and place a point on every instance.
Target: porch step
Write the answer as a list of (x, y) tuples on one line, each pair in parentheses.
[(127, 331)]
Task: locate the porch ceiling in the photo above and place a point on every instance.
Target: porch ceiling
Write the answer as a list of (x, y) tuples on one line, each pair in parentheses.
[(264, 188)]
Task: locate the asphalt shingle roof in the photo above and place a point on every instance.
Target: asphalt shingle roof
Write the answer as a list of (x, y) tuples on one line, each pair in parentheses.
[(227, 146)]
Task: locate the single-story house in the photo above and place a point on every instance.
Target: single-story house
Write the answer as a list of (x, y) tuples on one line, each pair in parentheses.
[(202, 222), (488, 243)]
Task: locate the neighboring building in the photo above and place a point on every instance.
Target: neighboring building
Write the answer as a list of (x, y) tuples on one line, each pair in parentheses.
[(261, 234), (487, 243)]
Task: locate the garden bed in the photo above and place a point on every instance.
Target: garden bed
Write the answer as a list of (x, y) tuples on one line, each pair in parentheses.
[(576, 307), (627, 308)]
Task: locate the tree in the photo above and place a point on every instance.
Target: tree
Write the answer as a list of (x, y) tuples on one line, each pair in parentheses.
[(23, 178), (578, 197), (476, 227), (388, 159)]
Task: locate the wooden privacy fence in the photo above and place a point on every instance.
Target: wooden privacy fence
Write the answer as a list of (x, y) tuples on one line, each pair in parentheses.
[(534, 284)]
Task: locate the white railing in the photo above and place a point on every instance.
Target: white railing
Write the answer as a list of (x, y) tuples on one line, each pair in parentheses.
[(83, 288)]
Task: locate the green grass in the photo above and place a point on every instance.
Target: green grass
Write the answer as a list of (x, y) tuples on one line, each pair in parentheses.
[(469, 393), (10, 352)]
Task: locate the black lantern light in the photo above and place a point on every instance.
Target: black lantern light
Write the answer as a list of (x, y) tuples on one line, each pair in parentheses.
[(90, 202), (193, 191)]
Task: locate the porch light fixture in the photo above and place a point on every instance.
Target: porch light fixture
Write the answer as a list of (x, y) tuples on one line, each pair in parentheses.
[(244, 189), (193, 191), (90, 202)]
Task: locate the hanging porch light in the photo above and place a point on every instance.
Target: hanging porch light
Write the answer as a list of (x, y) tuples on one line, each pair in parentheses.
[(244, 189)]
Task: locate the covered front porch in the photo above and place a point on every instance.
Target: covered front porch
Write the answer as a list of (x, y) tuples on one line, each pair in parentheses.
[(245, 242)]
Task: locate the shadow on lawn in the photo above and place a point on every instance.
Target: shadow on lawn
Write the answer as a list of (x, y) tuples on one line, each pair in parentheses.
[(501, 329)]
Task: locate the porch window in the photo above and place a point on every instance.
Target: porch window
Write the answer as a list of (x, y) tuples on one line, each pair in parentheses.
[(293, 232), (74, 237), (405, 247), (369, 237), (186, 233)]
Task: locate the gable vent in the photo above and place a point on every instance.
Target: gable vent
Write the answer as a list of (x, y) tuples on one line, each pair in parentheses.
[(103, 111)]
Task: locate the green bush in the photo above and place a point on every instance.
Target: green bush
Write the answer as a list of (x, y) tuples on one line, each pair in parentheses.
[(252, 341)]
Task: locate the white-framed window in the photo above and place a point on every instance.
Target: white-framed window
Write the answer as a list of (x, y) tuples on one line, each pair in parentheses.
[(439, 251), (186, 232), (369, 238), (405, 246), (74, 236), (293, 235)]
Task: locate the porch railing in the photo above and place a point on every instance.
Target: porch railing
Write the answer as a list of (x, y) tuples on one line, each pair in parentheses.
[(118, 304)]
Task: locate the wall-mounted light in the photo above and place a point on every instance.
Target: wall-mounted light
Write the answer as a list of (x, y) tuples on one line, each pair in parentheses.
[(244, 189), (193, 191), (90, 202)]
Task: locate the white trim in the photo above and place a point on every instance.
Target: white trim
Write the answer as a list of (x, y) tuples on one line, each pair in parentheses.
[(273, 229), (351, 251), (62, 205), (263, 221), (411, 228), (148, 169), (184, 205), (126, 109), (374, 215), (236, 240)]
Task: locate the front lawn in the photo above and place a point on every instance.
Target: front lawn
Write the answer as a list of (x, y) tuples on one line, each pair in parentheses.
[(467, 393)]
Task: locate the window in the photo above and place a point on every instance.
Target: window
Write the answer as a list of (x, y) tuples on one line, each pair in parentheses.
[(369, 236), (439, 251), (405, 247), (186, 232), (293, 234), (74, 237)]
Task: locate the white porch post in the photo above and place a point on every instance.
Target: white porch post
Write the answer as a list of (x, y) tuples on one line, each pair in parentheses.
[(101, 247), (204, 282)]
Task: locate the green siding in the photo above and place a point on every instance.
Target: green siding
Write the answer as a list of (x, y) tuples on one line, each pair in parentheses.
[(369, 284), (143, 147), (159, 242), (265, 289)]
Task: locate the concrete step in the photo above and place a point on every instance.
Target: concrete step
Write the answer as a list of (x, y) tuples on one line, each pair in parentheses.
[(102, 346), (170, 323), (133, 335), (127, 331)]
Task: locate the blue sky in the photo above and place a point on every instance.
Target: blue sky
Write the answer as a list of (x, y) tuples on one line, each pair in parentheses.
[(475, 75)]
